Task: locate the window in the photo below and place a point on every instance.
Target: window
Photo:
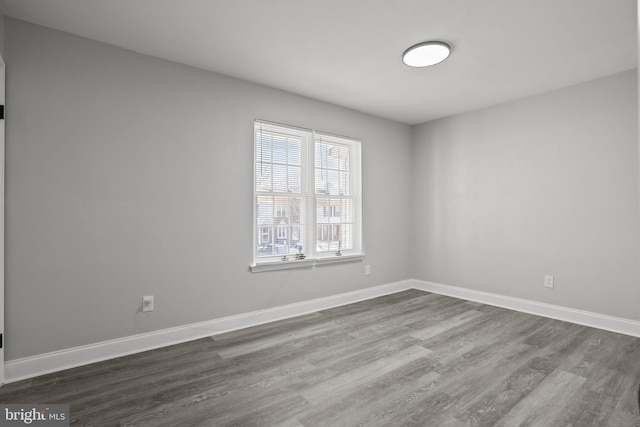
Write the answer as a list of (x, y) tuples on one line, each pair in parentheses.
[(307, 197), (265, 236), (282, 230), (281, 211)]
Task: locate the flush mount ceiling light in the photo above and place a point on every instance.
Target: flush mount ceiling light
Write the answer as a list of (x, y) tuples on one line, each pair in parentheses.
[(426, 54)]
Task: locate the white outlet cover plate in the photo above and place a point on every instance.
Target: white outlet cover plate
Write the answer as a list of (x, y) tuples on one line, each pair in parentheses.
[(147, 303), (548, 281)]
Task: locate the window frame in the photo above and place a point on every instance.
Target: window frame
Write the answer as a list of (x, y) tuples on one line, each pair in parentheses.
[(309, 199)]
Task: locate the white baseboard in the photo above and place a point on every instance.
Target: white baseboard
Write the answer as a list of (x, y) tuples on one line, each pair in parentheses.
[(29, 367), (580, 317)]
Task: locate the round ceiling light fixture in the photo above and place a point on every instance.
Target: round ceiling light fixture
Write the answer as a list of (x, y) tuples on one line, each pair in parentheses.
[(426, 54)]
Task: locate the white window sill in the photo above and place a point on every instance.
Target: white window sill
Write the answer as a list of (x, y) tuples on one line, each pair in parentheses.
[(304, 263)]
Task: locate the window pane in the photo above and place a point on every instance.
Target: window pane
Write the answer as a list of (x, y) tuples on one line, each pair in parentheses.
[(332, 166), (265, 233), (263, 176), (265, 210), (335, 232), (346, 211), (347, 237), (281, 210), (322, 211), (344, 184), (296, 214), (321, 181), (337, 213), (295, 150), (333, 182), (344, 158), (280, 178), (279, 149), (282, 230), (263, 146), (265, 247), (284, 217), (333, 159), (295, 185), (297, 240), (322, 238), (321, 155)]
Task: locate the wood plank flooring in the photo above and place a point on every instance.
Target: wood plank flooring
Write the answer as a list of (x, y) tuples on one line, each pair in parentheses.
[(407, 359)]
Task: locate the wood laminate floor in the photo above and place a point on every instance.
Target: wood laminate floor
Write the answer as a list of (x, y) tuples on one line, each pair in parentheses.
[(407, 359)]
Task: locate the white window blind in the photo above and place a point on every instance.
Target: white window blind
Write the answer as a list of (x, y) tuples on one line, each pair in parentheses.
[(307, 195)]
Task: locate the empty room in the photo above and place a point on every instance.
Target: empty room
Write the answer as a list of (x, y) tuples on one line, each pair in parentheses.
[(319, 213)]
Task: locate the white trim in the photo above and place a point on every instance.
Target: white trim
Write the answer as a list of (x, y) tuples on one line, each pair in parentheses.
[(338, 259), (30, 367), (580, 317), (304, 263)]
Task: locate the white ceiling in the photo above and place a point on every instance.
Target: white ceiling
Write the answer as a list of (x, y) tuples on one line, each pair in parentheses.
[(348, 52)]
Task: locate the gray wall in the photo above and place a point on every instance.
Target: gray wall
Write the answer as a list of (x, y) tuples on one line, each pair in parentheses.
[(129, 176), (543, 185), (2, 18)]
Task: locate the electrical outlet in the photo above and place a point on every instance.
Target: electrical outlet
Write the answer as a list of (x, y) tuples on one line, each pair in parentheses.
[(548, 281), (147, 303), (367, 270)]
